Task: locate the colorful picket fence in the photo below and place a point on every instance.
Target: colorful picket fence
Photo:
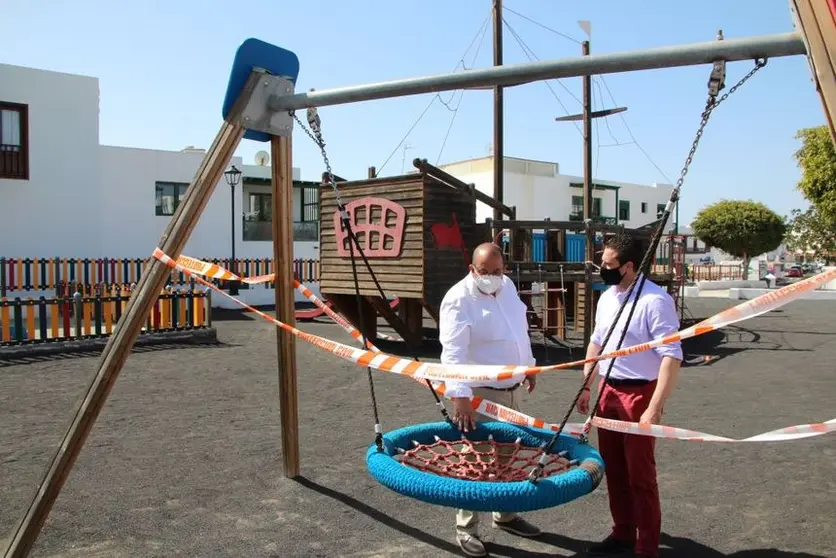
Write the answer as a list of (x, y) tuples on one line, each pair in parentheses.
[(66, 318), (36, 274)]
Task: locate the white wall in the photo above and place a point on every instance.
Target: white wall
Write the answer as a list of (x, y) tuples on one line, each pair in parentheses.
[(83, 199), (129, 226), (538, 191), (54, 213), (260, 171)]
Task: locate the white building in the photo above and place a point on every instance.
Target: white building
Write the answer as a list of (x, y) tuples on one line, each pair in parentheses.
[(539, 191), (63, 194)]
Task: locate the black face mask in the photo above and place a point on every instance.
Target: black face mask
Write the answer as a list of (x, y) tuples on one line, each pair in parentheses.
[(611, 276)]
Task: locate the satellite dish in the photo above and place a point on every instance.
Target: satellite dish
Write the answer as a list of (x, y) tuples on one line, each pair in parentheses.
[(262, 158)]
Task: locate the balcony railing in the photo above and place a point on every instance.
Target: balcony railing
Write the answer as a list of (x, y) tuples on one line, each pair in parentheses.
[(595, 219), (12, 161), (263, 231)]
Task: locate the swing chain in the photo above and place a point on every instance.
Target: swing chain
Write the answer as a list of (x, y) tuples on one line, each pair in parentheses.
[(714, 86), (315, 133)]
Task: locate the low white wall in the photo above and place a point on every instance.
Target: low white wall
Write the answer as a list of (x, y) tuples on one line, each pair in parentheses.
[(831, 286), (723, 285), (748, 294), (691, 291), (258, 296)]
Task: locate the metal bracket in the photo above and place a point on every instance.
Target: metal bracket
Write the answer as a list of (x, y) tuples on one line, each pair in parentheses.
[(259, 115), (717, 80)]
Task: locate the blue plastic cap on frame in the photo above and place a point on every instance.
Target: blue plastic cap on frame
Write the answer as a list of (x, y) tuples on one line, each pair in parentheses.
[(254, 53)]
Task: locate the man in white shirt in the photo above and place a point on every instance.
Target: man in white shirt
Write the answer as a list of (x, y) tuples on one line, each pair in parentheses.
[(483, 321), (636, 391)]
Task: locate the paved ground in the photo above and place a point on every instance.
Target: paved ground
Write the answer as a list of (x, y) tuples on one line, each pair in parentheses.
[(185, 459)]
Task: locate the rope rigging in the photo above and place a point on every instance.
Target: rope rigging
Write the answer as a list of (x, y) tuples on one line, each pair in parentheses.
[(715, 85)]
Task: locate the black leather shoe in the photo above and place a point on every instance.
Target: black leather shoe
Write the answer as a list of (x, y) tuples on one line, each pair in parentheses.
[(610, 547)]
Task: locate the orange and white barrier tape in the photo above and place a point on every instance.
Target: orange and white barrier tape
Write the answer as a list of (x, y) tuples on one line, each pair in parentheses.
[(214, 271), (390, 363), (342, 322), (472, 373)]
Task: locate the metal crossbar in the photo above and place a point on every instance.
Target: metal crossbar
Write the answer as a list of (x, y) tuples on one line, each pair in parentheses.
[(730, 50)]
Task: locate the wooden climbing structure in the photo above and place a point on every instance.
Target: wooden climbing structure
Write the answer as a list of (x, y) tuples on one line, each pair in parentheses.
[(545, 259), (417, 232)]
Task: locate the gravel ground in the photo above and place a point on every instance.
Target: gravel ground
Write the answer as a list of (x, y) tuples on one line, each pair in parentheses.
[(185, 459)]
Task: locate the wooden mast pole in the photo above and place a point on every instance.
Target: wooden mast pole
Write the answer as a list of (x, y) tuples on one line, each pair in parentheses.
[(498, 118), (589, 252)]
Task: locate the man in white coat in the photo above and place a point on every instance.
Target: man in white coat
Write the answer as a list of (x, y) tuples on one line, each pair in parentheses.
[(483, 321)]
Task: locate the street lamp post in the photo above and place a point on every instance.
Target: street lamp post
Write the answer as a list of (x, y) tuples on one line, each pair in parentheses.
[(233, 177)]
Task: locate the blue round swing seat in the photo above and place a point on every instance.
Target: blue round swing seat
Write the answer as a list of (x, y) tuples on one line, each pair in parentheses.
[(581, 473)]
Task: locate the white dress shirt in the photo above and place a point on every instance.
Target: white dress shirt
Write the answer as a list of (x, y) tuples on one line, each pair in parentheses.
[(475, 328), (655, 316)]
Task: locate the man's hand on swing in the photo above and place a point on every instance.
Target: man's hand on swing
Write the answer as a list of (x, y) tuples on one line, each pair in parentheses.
[(463, 415)]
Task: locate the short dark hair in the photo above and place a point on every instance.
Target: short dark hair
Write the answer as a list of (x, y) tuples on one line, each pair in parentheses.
[(627, 249)]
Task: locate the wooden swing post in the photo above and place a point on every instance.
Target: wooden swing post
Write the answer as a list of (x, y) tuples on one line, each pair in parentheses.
[(127, 329), (282, 203)]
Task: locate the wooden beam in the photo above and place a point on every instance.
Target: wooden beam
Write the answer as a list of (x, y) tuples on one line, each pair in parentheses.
[(453, 182), (381, 306), (124, 336), (282, 200), (433, 312), (816, 23), (411, 313), (346, 304)]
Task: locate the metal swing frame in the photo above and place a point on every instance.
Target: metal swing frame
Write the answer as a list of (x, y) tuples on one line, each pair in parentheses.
[(258, 105)]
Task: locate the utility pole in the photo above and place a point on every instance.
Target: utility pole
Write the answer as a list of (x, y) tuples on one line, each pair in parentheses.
[(498, 115)]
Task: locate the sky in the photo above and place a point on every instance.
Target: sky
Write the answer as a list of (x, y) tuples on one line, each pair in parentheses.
[(163, 68)]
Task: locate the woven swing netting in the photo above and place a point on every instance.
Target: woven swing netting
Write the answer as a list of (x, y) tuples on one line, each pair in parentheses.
[(482, 460)]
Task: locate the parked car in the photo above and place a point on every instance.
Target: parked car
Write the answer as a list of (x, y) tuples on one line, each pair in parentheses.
[(795, 271)]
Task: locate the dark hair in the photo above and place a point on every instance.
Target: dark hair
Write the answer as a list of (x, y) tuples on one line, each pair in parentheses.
[(627, 249)]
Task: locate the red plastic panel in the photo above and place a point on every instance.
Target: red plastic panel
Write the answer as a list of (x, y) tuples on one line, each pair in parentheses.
[(377, 223), (449, 237)]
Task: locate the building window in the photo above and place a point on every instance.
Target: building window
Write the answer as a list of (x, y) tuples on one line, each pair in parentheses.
[(644, 207), (310, 204), (169, 196), (14, 141), (660, 208), (623, 210), (577, 207), (258, 221), (260, 208)]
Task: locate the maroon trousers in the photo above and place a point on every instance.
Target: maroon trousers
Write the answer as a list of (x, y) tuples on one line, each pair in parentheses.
[(631, 469)]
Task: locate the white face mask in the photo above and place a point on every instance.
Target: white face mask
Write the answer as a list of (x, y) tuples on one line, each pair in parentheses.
[(488, 284)]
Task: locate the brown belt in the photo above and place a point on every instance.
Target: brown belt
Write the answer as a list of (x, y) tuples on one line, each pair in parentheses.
[(510, 388)]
